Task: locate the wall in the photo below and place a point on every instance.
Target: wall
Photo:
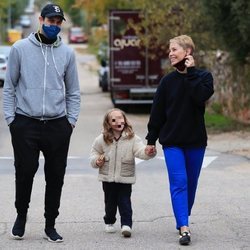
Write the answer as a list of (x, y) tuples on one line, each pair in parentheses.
[(231, 82)]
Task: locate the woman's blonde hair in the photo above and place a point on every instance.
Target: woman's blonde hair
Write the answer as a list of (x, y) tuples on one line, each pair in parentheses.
[(184, 41), (108, 135)]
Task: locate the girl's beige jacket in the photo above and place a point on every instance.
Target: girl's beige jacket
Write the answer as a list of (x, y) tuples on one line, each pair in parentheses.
[(119, 156)]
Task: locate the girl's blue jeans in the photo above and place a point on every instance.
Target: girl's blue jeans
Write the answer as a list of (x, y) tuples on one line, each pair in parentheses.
[(183, 167)]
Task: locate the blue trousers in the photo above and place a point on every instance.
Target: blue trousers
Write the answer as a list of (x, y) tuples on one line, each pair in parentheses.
[(183, 167)]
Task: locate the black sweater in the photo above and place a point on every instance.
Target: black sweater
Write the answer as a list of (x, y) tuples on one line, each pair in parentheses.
[(177, 114)]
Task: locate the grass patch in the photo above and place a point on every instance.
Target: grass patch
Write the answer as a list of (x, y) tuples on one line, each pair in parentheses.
[(216, 123), (81, 50), (92, 49), (88, 50)]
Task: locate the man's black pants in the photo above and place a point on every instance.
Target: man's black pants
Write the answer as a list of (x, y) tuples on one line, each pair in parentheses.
[(29, 138), (117, 195)]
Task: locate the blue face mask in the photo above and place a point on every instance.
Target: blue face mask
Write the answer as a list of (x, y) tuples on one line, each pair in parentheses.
[(51, 31)]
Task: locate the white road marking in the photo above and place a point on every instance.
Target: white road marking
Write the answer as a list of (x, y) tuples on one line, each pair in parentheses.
[(41, 157), (207, 160)]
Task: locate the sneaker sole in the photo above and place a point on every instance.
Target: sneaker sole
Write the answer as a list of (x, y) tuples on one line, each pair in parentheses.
[(53, 241), (185, 242), (16, 237), (126, 234), (110, 232)]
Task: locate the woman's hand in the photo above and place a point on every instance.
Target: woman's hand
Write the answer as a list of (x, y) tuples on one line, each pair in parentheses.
[(189, 61), (150, 150)]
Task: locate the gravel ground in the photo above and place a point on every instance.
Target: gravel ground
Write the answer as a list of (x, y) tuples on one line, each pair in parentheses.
[(231, 142)]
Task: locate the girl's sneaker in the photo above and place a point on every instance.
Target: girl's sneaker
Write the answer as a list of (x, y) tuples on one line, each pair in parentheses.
[(110, 228), (185, 238), (126, 231)]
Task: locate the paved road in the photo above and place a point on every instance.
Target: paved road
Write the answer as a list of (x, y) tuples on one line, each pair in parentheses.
[(220, 217)]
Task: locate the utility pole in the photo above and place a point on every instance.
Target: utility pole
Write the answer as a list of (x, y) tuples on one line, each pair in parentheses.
[(1, 33), (9, 14)]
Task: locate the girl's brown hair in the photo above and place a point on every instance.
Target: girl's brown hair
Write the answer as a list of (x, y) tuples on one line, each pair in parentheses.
[(108, 135)]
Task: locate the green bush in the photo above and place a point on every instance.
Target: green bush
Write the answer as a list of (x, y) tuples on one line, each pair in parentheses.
[(218, 123)]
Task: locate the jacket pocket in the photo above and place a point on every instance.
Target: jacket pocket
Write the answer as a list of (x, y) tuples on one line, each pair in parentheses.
[(104, 170), (127, 168)]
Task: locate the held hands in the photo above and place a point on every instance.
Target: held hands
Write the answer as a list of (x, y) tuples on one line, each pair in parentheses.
[(150, 150), (100, 161)]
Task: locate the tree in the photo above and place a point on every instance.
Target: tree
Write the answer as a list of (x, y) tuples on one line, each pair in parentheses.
[(230, 22), (3, 20), (162, 19), (10, 11), (76, 14)]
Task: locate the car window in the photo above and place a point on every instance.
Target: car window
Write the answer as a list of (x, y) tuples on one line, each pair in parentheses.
[(24, 18), (76, 31)]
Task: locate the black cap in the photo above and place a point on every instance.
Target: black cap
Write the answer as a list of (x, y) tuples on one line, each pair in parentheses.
[(51, 10)]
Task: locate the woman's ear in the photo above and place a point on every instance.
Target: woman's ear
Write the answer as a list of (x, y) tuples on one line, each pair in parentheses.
[(189, 51)]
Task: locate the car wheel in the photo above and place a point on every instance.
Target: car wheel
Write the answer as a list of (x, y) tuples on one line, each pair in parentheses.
[(104, 87), (104, 82)]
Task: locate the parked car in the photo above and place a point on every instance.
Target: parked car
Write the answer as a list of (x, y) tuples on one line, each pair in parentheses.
[(5, 50), (19, 27), (3, 67), (77, 35), (103, 51), (103, 75), (25, 21), (14, 35), (29, 10)]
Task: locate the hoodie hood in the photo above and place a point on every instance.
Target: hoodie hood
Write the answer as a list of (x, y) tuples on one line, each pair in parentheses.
[(33, 39)]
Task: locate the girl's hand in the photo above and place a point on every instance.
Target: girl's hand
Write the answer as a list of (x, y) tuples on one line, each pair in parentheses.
[(150, 150), (100, 161)]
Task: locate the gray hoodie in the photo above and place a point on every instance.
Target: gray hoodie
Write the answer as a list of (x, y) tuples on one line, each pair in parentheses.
[(41, 81)]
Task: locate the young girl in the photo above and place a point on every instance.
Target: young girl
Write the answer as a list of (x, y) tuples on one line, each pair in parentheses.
[(114, 152)]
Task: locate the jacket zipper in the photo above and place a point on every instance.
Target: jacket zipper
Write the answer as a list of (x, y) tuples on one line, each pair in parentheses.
[(115, 158), (44, 82)]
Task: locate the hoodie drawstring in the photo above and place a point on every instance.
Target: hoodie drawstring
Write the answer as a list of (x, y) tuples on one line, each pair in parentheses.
[(52, 52), (44, 56)]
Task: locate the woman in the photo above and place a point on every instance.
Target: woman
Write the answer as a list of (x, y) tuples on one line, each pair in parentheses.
[(177, 120)]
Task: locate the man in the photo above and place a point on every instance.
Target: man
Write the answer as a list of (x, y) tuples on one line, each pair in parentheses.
[(41, 100)]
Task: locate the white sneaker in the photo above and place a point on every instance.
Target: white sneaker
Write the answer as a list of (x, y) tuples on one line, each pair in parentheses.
[(110, 228), (126, 231)]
